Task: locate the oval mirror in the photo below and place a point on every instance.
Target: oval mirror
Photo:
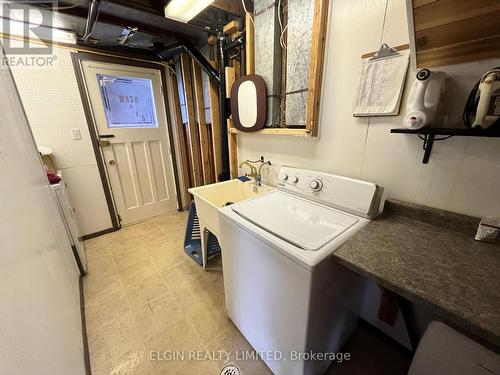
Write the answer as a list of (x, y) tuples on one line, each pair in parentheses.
[(248, 103)]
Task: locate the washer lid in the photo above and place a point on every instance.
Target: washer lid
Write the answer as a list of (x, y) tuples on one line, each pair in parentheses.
[(303, 223)]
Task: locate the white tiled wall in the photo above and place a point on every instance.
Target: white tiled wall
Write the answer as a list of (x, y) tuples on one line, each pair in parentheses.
[(463, 174), (53, 105)]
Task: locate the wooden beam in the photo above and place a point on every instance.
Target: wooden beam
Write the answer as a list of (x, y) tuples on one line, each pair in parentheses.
[(230, 78), (277, 131), (216, 135), (231, 136), (181, 139), (316, 68), (233, 151), (249, 46), (231, 27), (208, 175), (233, 6), (192, 133)]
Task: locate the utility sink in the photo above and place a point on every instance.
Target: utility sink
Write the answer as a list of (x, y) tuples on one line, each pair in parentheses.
[(210, 198)]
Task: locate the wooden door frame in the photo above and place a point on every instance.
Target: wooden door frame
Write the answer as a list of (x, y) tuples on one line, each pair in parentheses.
[(77, 58)]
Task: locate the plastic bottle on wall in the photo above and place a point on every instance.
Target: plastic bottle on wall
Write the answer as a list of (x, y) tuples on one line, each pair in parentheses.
[(424, 99)]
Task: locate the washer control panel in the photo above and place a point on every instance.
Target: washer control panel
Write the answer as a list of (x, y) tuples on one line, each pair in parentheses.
[(347, 194), (299, 180), (316, 185)]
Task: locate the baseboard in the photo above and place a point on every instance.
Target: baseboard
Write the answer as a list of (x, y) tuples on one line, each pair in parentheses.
[(86, 352), (100, 233)]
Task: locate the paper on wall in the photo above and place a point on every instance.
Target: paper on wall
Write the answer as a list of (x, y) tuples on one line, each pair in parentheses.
[(381, 85)]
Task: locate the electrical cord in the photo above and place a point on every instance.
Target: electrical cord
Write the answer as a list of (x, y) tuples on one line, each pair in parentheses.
[(172, 69), (236, 55), (60, 8), (435, 139), (56, 8), (247, 12), (472, 101), (282, 40), (95, 23)]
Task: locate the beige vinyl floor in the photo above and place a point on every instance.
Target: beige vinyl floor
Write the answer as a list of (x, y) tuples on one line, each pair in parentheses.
[(145, 299), (143, 295)]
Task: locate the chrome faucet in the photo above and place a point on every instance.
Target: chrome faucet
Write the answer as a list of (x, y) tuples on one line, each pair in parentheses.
[(253, 170), (256, 174), (258, 177)]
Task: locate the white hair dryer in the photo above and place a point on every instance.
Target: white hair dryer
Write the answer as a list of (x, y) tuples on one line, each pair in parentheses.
[(424, 99)]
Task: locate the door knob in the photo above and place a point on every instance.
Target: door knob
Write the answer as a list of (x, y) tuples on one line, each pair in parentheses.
[(112, 162)]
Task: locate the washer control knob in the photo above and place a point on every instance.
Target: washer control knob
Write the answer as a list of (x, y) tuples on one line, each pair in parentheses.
[(316, 185), (285, 177), (295, 179)]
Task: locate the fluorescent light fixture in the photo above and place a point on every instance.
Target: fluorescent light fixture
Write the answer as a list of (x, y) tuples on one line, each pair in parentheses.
[(43, 34), (63, 36), (185, 10)]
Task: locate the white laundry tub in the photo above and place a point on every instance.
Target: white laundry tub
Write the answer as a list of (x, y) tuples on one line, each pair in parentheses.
[(210, 198)]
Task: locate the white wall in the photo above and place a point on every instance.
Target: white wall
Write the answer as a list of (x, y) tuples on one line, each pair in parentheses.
[(53, 105), (463, 174)]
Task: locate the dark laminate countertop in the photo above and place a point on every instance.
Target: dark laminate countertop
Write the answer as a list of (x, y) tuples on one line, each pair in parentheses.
[(429, 255)]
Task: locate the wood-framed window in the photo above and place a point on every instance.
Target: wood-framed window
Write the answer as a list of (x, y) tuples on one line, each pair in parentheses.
[(308, 126)]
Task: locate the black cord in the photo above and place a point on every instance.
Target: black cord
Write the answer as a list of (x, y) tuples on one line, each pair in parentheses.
[(435, 139), (443, 138), (470, 106)]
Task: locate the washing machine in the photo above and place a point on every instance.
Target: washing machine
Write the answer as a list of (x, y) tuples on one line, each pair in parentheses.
[(279, 273)]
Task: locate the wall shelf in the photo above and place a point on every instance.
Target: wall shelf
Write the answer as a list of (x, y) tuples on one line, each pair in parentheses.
[(429, 135)]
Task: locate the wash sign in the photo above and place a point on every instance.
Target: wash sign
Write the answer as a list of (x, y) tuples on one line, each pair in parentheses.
[(26, 26), (128, 101)]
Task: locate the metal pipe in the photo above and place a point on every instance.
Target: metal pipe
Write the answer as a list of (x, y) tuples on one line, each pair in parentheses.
[(202, 62), (91, 19), (176, 48), (236, 43), (219, 77), (225, 171)]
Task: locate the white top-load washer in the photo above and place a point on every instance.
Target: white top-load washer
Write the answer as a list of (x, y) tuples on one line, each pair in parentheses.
[(279, 277)]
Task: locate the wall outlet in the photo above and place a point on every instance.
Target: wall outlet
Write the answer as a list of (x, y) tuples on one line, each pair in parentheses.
[(77, 135)]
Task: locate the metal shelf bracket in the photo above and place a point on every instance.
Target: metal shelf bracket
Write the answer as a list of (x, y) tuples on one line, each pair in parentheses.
[(427, 146), (428, 135)]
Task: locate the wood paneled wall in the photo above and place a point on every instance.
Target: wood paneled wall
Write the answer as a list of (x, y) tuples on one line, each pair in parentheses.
[(451, 31), (199, 140)]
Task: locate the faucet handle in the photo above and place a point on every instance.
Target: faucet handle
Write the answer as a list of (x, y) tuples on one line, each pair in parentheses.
[(257, 184)]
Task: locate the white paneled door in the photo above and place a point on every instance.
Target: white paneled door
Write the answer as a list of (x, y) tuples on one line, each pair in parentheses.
[(130, 117)]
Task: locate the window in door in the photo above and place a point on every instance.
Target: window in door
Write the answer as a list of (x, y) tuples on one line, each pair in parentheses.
[(128, 101)]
